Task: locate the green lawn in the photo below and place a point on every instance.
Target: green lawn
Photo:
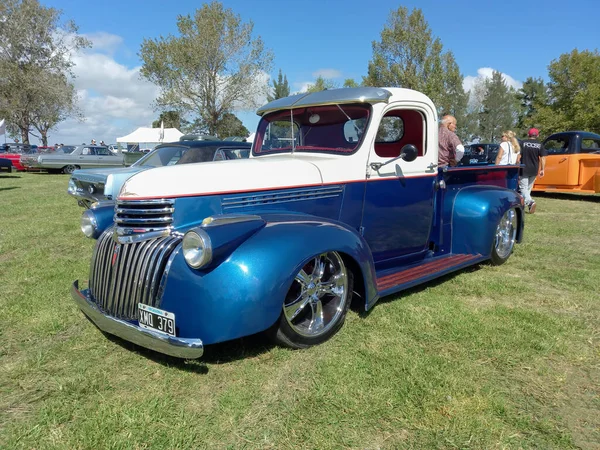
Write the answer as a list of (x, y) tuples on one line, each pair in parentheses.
[(490, 357)]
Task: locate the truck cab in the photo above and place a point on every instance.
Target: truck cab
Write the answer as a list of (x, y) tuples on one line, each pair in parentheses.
[(341, 198)]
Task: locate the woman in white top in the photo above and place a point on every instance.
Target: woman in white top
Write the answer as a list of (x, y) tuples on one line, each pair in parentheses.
[(510, 150)]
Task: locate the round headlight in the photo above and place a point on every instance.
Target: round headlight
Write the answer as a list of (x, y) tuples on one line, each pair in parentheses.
[(72, 187), (197, 248), (108, 187), (89, 224)]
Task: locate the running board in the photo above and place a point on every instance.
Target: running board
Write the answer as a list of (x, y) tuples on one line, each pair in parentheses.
[(389, 283)]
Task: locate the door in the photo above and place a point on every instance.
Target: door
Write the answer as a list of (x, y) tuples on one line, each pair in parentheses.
[(557, 162), (399, 196)]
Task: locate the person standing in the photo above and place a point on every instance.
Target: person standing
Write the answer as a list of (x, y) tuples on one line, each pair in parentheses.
[(533, 153), (451, 149), (509, 152)]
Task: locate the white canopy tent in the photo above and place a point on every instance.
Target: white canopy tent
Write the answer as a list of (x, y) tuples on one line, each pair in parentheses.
[(144, 135)]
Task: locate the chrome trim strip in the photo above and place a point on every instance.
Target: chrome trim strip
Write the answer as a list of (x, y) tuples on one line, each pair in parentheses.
[(178, 347), (123, 235), (143, 221), (141, 212), (151, 202), (225, 219)]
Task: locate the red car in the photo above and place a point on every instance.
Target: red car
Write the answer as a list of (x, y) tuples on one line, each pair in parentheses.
[(13, 152)]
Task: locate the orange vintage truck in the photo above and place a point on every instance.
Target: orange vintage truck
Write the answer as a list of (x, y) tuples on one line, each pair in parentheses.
[(572, 164)]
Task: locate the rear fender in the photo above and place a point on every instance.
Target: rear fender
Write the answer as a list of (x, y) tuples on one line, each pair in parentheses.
[(244, 294), (475, 215)]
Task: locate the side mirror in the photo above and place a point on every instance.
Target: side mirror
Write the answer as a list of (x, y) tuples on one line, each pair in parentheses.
[(409, 153)]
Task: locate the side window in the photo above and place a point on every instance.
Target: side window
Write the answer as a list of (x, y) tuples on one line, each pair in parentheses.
[(86, 151), (391, 129), (557, 146), (590, 145), (354, 129), (397, 129), (103, 151)]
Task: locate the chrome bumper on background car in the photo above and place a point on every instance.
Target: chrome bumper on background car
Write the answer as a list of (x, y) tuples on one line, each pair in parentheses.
[(169, 345)]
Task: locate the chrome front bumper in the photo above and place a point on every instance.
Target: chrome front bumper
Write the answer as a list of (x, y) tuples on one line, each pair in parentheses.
[(169, 345)]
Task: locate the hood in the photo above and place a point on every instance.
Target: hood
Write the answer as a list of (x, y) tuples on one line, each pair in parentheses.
[(94, 175), (219, 177)]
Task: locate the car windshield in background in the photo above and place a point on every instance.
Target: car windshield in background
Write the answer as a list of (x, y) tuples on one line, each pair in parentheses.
[(329, 129), (65, 149), (177, 154)]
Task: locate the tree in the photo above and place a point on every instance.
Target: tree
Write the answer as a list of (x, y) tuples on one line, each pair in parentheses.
[(321, 84), (498, 108), (573, 94), (281, 88), (408, 56), (350, 83), (170, 119), (59, 103), (230, 125), (531, 97), (35, 49), (213, 67)]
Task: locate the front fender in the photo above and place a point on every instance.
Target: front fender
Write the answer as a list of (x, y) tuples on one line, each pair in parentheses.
[(244, 294), (476, 211)]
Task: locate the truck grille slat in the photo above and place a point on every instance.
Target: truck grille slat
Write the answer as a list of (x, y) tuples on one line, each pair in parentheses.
[(123, 275), (137, 216)]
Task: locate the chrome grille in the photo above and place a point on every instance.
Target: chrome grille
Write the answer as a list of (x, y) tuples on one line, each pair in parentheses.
[(144, 215), (123, 275)]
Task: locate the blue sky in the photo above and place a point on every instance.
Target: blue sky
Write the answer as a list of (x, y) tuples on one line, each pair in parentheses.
[(331, 38)]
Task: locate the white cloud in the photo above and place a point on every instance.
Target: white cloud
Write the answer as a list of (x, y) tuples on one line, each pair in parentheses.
[(327, 73), (484, 73)]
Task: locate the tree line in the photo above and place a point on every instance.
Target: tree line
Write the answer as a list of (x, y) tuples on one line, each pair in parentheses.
[(215, 65)]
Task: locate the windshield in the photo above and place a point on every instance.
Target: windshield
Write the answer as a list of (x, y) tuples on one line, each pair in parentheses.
[(328, 129), (176, 154)]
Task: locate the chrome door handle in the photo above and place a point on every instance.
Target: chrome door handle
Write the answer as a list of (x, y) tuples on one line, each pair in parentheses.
[(431, 166), (563, 160)]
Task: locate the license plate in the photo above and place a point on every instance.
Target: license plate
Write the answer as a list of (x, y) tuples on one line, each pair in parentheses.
[(156, 319)]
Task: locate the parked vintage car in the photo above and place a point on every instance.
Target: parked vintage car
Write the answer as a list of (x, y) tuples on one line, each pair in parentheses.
[(479, 154), (572, 164), (340, 199), (83, 156), (14, 151), (94, 185)]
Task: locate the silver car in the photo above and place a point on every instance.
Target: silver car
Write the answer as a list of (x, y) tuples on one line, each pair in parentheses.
[(82, 157)]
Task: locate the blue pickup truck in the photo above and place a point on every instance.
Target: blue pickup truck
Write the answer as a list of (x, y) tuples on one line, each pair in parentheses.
[(341, 200)]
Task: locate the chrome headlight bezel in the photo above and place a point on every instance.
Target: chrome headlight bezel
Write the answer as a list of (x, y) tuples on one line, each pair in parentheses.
[(197, 248), (89, 223)]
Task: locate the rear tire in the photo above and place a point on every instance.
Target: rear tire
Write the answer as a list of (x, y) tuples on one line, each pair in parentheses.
[(505, 237), (70, 168), (316, 304)]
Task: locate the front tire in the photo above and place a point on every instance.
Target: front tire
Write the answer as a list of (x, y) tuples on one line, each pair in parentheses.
[(505, 237), (316, 304)]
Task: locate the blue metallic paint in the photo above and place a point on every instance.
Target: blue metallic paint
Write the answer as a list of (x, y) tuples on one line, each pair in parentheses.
[(476, 212), (104, 218), (244, 294)]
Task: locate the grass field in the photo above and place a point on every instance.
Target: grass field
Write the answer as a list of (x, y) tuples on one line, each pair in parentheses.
[(489, 357)]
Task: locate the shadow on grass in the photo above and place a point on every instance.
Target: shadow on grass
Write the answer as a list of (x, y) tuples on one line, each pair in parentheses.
[(10, 176), (568, 196), (223, 353), (10, 188)]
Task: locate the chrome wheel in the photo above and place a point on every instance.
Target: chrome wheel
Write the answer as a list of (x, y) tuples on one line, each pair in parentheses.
[(70, 168), (506, 233), (318, 298)]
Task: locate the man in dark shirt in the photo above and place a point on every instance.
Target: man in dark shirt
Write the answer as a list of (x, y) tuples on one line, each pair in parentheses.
[(532, 153)]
